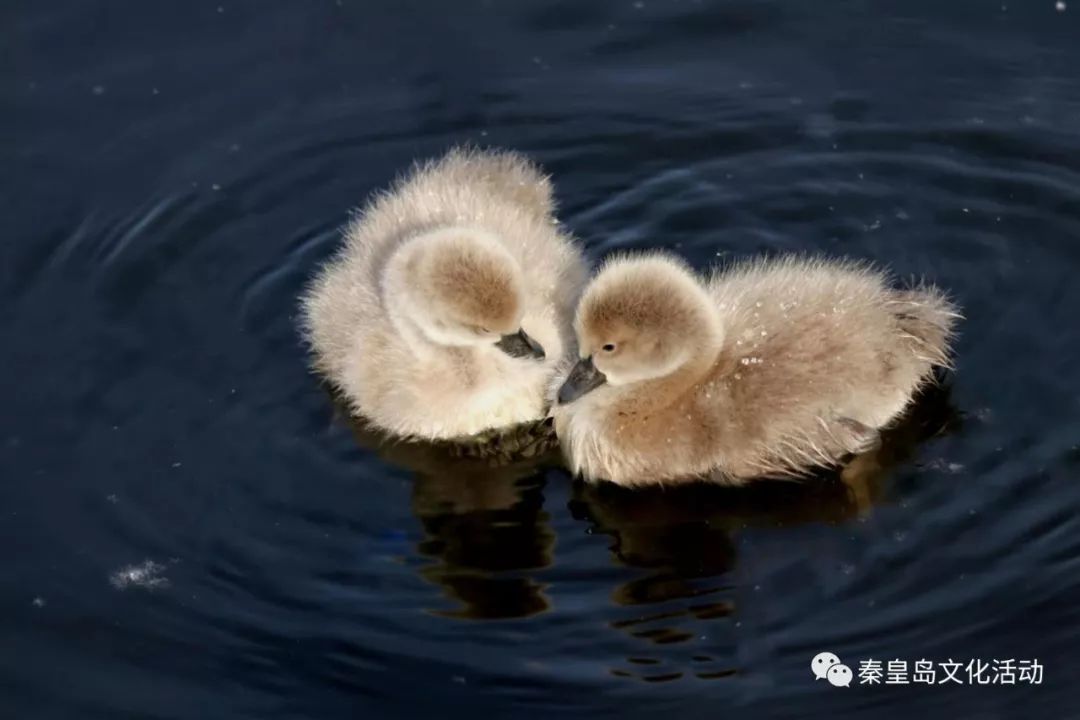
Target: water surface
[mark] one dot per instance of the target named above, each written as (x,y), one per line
(191,529)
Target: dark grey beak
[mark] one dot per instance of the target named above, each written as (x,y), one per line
(583,378)
(520,345)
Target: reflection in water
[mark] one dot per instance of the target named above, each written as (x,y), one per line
(684,537)
(481,508)
(486,532)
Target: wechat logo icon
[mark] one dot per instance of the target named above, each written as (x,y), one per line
(827,666)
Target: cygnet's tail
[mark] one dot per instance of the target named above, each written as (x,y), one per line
(927,319)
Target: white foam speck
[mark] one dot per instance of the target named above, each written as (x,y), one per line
(147,576)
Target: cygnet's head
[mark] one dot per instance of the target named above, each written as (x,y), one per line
(461,287)
(640,319)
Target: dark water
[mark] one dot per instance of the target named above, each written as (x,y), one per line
(172,172)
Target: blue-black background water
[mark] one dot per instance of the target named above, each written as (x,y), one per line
(189,528)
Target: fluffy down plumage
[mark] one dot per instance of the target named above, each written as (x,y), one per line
(765,368)
(404,321)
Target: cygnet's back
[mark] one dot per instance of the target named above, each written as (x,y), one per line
(826,344)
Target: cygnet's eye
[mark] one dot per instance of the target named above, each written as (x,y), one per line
(610,347)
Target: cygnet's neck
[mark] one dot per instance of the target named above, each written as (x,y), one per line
(396,293)
(705,350)
(703,354)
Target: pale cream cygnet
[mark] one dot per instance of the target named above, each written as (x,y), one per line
(449,305)
(766,368)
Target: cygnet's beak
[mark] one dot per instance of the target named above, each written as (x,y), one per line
(583,378)
(520,345)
